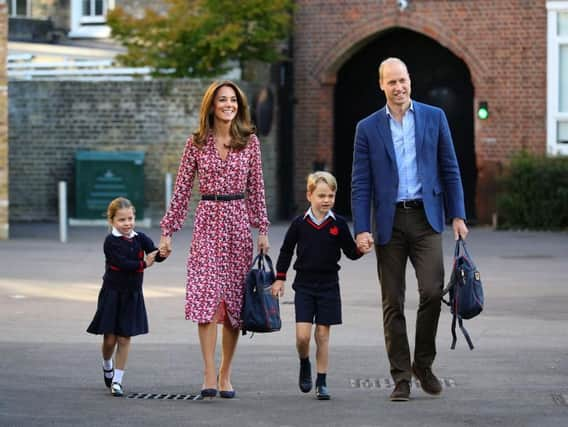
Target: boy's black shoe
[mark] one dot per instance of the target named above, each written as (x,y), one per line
(108,381)
(305,380)
(322,393)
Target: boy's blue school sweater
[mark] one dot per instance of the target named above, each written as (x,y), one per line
(318,249)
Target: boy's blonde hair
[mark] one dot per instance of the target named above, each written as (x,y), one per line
(116,204)
(321,176)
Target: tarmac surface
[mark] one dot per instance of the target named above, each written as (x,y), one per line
(50,368)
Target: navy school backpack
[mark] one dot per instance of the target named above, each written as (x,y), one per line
(465,291)
(261,310)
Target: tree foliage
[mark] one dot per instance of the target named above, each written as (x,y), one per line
(197,38)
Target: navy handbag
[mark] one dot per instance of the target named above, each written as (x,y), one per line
(465,291)
(261,310)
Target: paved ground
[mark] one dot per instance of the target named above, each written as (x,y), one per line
(50,373)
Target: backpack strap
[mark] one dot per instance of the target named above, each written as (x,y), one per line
(459,320)
(450,285)
(452,281)
(454,336)
(464,332)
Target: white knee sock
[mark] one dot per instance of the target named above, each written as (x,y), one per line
(118,373)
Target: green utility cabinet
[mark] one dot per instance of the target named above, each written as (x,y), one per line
(100,176)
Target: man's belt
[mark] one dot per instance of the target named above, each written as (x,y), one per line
(410,204)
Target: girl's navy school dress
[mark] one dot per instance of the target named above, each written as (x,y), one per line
(120,308)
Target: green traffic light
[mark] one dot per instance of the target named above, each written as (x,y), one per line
(483,111)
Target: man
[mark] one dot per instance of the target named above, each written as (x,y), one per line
(405,171)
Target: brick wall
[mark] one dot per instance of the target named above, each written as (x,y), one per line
(502,42)
(51,120)
(4,230)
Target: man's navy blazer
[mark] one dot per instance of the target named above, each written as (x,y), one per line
(374,185)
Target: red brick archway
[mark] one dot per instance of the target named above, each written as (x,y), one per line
(328,64)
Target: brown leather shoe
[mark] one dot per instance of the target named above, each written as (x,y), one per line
(428,381)
(401,392)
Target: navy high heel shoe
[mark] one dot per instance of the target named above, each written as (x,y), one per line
(227,394)
(208,392)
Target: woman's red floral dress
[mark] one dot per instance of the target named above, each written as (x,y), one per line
(221,249)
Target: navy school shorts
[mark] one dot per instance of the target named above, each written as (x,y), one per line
(317,303)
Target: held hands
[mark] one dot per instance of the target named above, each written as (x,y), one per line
(277,288)
(365,242)
(263,245)
(165,246)
(460,229)
(149,260)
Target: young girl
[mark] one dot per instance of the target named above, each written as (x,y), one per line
(121,312)
(319,236)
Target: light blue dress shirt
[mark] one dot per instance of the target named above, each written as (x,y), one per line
(403,138)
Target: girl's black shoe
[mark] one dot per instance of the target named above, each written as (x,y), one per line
(116,390)
(108,381)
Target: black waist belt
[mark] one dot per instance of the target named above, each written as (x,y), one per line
(410,204)
(222,197)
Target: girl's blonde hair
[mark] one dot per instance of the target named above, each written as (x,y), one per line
(321,176)
(241,126)
(116,204)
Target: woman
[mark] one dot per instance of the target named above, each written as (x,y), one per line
(225,153)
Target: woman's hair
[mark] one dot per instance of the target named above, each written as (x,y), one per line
(241,126)
(315,178)
(116,204)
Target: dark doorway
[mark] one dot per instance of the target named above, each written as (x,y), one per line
(438,77)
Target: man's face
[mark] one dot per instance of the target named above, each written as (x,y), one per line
(395,83)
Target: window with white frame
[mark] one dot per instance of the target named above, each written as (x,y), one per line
(88,18)
(557,77)
(18,7)
(93,11)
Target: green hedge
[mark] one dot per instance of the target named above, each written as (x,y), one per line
(534,193)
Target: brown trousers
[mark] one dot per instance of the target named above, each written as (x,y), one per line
(412,238)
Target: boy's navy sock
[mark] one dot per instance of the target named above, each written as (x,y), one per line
(305,378)
(320,380)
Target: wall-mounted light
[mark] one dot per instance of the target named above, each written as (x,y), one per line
(482,110)
(402,4)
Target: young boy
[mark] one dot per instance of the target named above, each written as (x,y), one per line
(319,236)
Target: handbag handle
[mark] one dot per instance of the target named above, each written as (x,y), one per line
(261,260)
(460,243)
